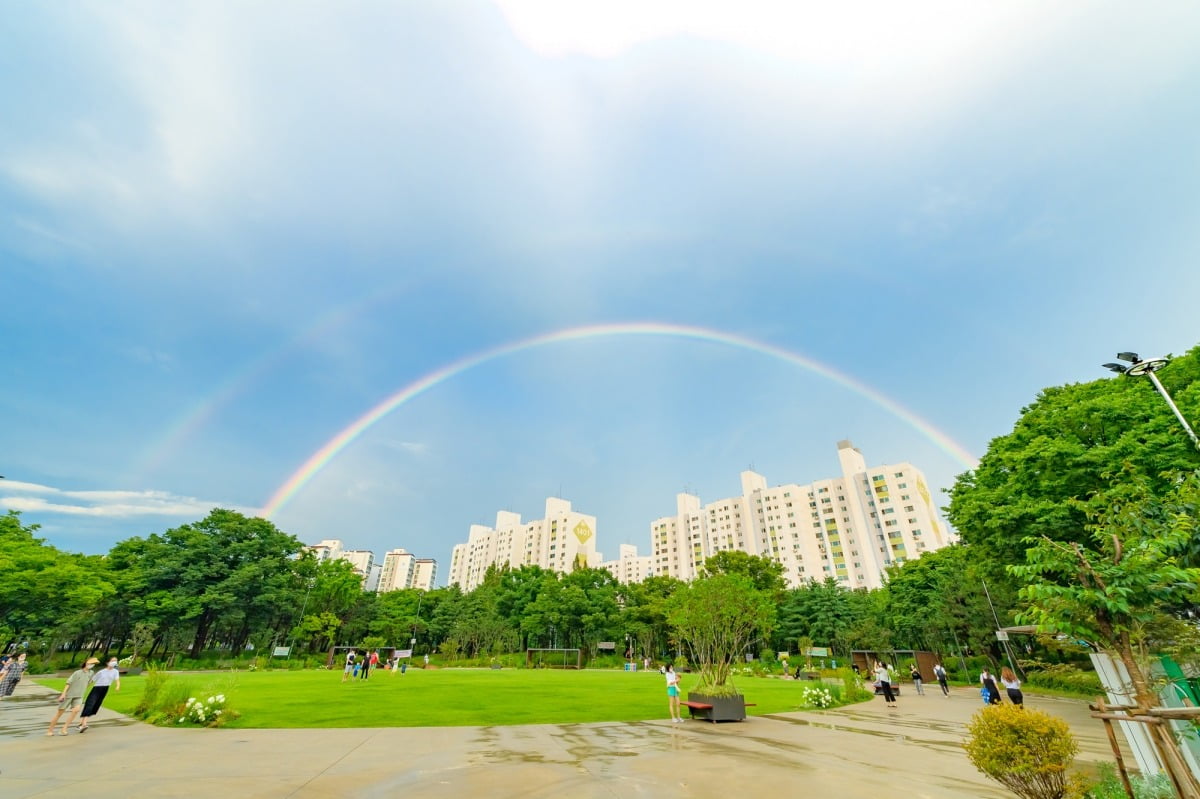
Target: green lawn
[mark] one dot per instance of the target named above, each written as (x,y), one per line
(445,697)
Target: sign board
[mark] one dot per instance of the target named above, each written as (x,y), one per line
(782,655)
(1001,635)
(609,645)
(282,651)
(403,653)
(818,651)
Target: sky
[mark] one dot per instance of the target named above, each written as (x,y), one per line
(382,269)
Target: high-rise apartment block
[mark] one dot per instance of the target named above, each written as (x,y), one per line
(849,528)
(402,569)
(629,567)
(557,542)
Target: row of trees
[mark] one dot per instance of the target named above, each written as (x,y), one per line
(1076,454)
(230,581)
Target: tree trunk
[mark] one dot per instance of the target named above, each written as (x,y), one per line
(202,626)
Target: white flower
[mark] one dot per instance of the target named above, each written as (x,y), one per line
(220,697)
(191,699)
(218,712)
(212,699)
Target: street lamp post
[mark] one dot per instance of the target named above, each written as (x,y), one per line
(1138,367)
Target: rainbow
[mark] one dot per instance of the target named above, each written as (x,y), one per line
(328,451)
(199,413)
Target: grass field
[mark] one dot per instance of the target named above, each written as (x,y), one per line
(445,697)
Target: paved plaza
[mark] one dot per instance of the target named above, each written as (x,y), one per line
(859,752)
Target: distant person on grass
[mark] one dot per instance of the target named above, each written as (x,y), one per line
(101,681)
(673,694)
(350,669)
(915,674)
(71,698)
(366,665)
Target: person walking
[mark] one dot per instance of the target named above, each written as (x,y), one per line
(915,674)
(673,694)
(101,681)
(989,686)
(12,675)
(1012,686)
(349,669)
(884,680)
(71,698)
(939,671)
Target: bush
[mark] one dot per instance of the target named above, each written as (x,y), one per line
(1064,677)
(155,679)
(1027,751)
(1144,787)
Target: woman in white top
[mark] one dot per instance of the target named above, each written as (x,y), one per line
(673,694)
(101,680)
(1012,686)
(884,679)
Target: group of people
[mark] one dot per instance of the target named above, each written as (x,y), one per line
(1012,686)
(360,665)
(883,678)
(72,699)
(989,690)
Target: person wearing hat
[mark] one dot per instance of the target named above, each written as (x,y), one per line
(71,697)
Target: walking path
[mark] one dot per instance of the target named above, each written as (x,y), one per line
(859,752)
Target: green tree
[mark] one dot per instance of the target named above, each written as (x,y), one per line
(1127,574)
(225,567)
(765,574)
(717,617)
(1054,469)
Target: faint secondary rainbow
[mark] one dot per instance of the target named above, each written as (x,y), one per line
(330,450)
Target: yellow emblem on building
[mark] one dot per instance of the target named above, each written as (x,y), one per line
(582,532)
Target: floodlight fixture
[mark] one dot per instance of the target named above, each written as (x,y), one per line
(1147,368)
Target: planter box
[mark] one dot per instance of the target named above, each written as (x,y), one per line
(724,708)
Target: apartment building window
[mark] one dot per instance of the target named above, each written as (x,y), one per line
(888,510)
(898,474)
(909,509)
(902,485)
(890,523)
(905,497)
(913,520)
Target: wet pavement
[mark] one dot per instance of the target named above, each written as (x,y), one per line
(859,752)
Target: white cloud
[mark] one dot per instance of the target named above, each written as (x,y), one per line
(110,503)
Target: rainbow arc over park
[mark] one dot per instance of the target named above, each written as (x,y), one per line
(347,435)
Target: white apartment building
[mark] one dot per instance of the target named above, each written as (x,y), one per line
(629,567)
(424,574)
(361,559)
(397,574)
(557,542)
(849,527)
(329,549)
(402,569)
(399,569)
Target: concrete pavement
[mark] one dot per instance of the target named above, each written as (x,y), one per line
(859,752)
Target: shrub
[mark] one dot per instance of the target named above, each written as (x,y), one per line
(1065,677)
(852,686)
(816,695)
(1109,785)
(208,712)
(155,679)
(1026,751)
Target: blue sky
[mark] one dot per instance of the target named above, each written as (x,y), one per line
(227,231)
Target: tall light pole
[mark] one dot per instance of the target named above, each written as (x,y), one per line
(1138,367)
